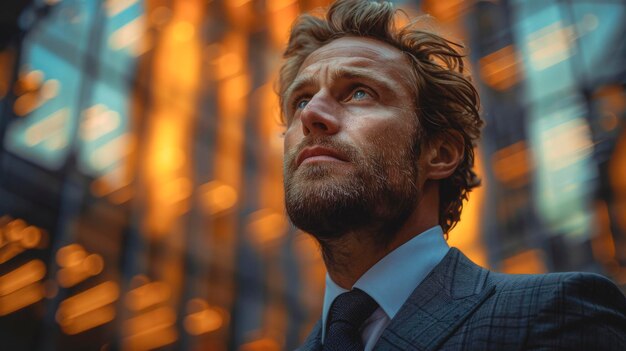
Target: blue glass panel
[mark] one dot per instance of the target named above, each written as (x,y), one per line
(44,135)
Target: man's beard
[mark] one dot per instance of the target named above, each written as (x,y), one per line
(374,193)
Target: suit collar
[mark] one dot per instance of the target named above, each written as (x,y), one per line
(438,306)
(404,268)
(435,309)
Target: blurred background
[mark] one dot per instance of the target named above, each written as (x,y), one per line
(141,201)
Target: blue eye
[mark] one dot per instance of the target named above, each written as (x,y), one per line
(301,104)
(360,94)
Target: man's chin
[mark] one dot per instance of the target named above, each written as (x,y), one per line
(321,170)
(324,189)
(322,224)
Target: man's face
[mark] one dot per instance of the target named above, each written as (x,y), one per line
(350,158)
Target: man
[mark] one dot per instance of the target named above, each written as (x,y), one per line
(381,124)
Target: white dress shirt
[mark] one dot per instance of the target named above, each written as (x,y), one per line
(391,281)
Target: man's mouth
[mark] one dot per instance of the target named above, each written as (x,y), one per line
(319,153)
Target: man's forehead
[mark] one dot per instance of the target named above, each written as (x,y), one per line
(357,49)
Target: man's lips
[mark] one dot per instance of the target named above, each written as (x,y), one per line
(319,153)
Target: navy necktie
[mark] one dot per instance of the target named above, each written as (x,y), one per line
(345,318)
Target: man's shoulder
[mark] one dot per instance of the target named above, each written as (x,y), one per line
(554,285)
(546,311)
(553,292)
(456,263)
(574,310)
(546,280)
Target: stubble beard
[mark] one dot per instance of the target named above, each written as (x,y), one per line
(374,194)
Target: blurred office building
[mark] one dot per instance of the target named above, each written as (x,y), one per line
(141,201)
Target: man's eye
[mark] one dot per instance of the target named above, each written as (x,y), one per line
(300,104)
(360,94)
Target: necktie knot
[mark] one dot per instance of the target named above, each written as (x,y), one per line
(345,318)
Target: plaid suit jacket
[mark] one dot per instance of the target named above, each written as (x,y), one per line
(461,306)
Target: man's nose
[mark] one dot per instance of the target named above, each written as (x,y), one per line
(319,116)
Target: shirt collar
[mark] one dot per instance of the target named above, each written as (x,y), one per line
(391,280)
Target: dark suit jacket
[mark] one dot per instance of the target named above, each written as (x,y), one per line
(461,306)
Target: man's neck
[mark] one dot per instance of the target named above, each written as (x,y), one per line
(347,258)
(350,256)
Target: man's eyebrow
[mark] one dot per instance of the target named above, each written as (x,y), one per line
(300,83)
(352,73)
(363,74)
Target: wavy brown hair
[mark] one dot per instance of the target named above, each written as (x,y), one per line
(446,103)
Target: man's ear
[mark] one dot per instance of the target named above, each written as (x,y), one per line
(443,155)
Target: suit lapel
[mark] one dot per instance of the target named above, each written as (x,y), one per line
(438,306)
(314,341)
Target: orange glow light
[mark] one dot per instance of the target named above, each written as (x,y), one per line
(150,340)
(602,244)
(13,230)
(160,15)
(70,255)
(466,234)
(86,301)
(159,318)
(122,195)
(266,225)
(88,320)
(93,264)
(227,65)
(525,262)
(147,295)
(176,190)
(512,164)
(80,270)
(202,318)
(218,197)
(264,344)
(9,251)
(151,329)
(179,46)
(281,14)
(20,298)
(446,10)
(26,104)
(15,236)
(69,277)
(29,81)
(501,69)
(31,236)
(22,276)
(183,31)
